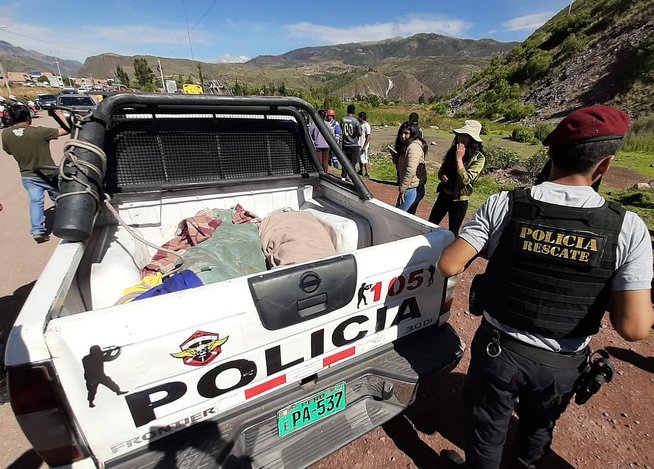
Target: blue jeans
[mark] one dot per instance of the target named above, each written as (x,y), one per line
(412,198)
(36,189)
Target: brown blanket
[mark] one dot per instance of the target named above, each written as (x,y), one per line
(294,237)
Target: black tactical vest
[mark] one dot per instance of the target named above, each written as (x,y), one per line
(551,271)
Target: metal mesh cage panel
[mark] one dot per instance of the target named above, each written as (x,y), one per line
(178,150)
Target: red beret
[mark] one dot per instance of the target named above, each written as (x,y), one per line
(589,124)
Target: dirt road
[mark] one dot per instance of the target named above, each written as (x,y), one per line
(614,430)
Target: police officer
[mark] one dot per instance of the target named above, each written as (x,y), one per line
(559,257)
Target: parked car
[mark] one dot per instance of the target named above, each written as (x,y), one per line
(46,100)
(76,102)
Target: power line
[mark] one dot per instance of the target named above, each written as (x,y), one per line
(49,42)
(188,31)
(197,23)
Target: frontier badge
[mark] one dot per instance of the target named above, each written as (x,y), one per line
(200,349)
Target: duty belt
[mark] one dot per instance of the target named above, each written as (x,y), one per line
(501,340)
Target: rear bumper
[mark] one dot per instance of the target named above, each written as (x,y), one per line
(380,385)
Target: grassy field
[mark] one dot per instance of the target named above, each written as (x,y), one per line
(639,161)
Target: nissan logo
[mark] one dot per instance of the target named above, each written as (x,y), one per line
(309,282)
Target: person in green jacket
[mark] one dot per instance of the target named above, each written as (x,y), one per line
(461,166)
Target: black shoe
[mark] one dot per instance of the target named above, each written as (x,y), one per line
(42,238)
(452,459)
(91,404)
(120,393)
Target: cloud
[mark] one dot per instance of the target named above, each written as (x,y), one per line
(143,34)
(378,31)
(528,22)
(131,39)
(229,58)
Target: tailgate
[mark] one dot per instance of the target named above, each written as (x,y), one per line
(160,365)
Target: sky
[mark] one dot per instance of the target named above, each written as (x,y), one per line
(236,31)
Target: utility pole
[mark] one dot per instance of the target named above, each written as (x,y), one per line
(61,84)
(2,70)
(163,83)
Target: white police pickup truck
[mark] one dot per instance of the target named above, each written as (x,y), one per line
(274,368)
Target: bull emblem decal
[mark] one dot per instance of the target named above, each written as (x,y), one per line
(200,349)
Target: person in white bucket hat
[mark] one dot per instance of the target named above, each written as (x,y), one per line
(461,166)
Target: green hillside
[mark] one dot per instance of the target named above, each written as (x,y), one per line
(599,51)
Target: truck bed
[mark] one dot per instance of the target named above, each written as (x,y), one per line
(113,259)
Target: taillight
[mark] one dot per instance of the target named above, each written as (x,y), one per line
(41,415)
(31,391)
(448,295)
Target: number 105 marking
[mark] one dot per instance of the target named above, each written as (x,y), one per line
(398,284)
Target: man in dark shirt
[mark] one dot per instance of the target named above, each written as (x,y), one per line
(30,147)
(351,129)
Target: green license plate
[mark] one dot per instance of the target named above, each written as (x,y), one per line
(312,409)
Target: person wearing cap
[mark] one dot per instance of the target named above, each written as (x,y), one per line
(322,147)
(30,147)
(559,256)
(461,166)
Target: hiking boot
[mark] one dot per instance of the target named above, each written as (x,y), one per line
(41,238)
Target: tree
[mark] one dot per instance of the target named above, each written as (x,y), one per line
(282,89)
(42,79)
(122,76)
(143,73)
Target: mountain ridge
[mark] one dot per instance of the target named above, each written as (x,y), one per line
(430,65)
(15,58)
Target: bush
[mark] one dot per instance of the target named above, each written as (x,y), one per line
(521,134)
(573,44)
(641,135)
(536,66)
(535,163)
(542,130)
(440,108)
(499,158)
(514,110)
